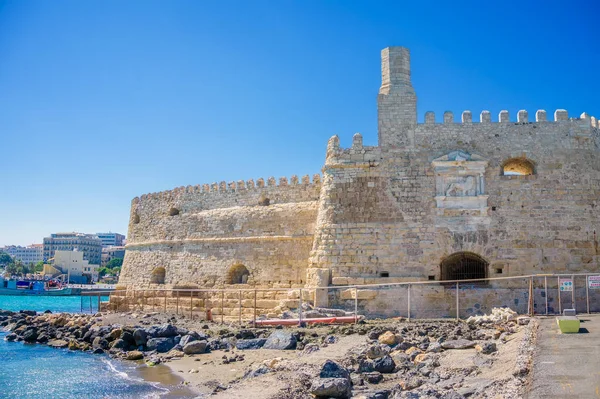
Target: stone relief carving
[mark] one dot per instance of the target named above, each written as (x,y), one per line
(460,181)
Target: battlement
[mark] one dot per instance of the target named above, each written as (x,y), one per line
(560,115)
(356,155)
(235,186)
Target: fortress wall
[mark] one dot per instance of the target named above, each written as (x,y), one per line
(267,228)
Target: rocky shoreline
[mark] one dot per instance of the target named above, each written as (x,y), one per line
(380,359)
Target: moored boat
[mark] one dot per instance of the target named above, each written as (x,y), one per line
(35,287)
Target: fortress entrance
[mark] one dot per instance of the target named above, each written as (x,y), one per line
(237,274)
(464,266)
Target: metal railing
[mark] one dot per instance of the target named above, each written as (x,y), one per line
(530,294)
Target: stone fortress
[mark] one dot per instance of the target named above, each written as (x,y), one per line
(438,200)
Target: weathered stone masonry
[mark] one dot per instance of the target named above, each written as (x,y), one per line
(404,210)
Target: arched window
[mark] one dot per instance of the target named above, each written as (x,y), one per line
(237,274)
(464,266)
(518,167)
(158,276)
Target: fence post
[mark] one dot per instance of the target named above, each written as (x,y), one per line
(222,295)
(165,291)
(559,301)
(153,299)
(191,305)
(546,292)
(177,304)
(409,302)
(531,300)
(254,317)
(587,293)
(300,309)
(240,307)
(573,298)
(457,304)
(355,305)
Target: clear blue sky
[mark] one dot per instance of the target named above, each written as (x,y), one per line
(102,101)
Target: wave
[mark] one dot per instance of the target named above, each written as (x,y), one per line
(126,376)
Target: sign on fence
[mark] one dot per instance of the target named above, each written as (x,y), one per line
(566,284)
(594,282)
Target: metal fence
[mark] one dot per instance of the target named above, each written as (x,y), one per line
(544,294)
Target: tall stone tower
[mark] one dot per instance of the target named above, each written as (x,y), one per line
(397,101)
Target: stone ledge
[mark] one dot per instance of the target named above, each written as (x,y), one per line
(217,240)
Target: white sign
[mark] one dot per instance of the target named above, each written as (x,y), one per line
(594,282)
(566,285)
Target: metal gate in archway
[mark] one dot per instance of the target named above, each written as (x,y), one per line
(464,266)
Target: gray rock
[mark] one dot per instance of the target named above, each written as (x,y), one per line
(128,337)
(331,388)
(486,348)
(434,347)
(58,343)
(166,331)
(374,377)
(119,344)
(255,343)
(140,337)
(280,340)
(30,335)
(186,339)
(384,365)
(332,369)
(195,347)
(452,395)
(458,344)
(376,350)
(98,342)
(42,338)
(11,337)
(161,345)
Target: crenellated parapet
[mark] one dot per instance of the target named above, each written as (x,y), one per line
(560,115)
(356,156)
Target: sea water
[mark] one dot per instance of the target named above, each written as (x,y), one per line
(31,371)
(56,304)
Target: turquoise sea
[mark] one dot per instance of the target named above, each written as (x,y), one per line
(37,371)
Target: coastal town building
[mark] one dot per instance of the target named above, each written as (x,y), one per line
(111,239)
(110,253)
(72,266)
(88,244)
(442,199)
(33,253)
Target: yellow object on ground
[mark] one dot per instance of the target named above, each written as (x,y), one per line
(568,324)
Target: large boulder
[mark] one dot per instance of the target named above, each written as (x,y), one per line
(255,343)
(134,355)
(332,369)
(375,351)
(384,365)
(98,342)
(281,340)
(195,347)
(127,336)
(186,339)
(331,388)
(140,337)
(163,331)
(458,344)
(30,335)
(161,345)
(389,338)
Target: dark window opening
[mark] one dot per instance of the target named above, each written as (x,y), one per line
(384,274)
(464,266)
(158,275)
(238,274)
(173,212)
(499,271)
(431,278)
(493,208)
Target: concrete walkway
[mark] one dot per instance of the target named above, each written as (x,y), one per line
(567,365)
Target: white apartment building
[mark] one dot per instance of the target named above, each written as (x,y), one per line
(31,254)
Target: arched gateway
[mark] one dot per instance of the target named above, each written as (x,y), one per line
(464,266)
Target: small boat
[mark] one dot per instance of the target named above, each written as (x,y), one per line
(35,287)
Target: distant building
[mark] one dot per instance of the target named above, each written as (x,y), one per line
(31,254)
(88,244)
(111,239)
(72,264)
(110,253)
